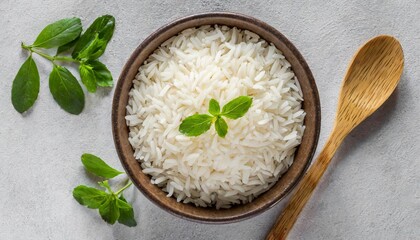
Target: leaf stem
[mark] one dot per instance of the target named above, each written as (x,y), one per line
(106,185)
(123,188)
(49,57)
(65,59)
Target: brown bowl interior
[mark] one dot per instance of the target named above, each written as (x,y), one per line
(304,152)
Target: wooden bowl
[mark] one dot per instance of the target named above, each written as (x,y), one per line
(303,154)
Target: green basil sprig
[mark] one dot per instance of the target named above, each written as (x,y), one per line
(112,206)
(198,124)
(64,35)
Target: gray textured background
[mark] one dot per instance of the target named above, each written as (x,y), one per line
(372,188)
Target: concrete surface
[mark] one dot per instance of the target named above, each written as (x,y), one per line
(372,188)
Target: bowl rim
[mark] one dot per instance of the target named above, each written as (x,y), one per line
(118,92)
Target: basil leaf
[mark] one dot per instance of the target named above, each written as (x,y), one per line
(102,74)
(126,213)
(221,127)
(214,107)
(94,40)
(123,204)
(67,46)
(109,210)
(89,197)
(237,107)
(196,124)
(66,90)
(94,50)
(25,86)
(97,166)
(95,73)
(88,77)
(59,33)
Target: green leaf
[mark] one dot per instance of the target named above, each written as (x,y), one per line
(66,91)
(126,213)
(221,127)
(94,40)
(89,197)
(25,86)
(102,74)
(93,51)
(237,107)
(98,167)
(94,73)
(88,77)
(196,124)
(214,107)
(59,33)
(68,46)
(109,210)
(123,204)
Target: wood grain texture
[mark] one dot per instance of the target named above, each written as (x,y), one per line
(371,77)
(304,152)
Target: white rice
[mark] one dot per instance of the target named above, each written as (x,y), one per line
(179,79)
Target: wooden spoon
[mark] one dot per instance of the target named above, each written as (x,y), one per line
(371,77)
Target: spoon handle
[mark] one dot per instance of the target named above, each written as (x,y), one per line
(305,188)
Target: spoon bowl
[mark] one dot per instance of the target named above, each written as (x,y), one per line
(371,77)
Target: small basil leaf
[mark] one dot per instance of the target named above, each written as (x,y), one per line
(98,167)
(95,73)
(196,124)
(126,214)
(25,86)
(88,77)
(89,197)
(67,46)
(221,127)
(93,51)
(123,204)
(237,107)
(102,30)
(214,107)
(109,210)
(102,74)
(105,184)
(59,33)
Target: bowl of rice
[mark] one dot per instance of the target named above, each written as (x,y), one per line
(173,74)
